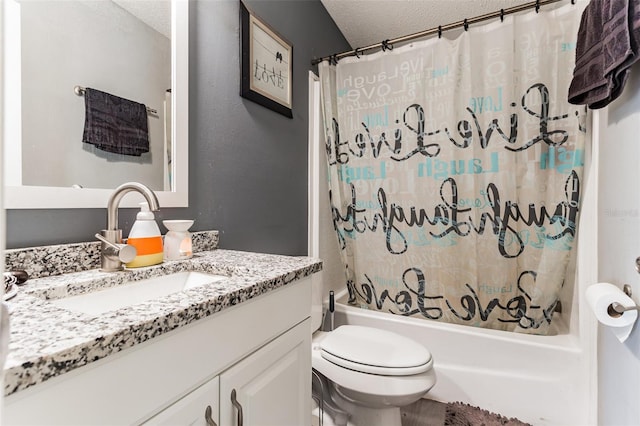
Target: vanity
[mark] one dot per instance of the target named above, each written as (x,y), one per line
(233,349)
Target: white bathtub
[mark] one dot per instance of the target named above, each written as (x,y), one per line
(534,378)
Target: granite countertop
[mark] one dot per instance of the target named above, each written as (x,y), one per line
(47,340)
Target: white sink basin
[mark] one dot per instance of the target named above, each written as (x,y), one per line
(124,295)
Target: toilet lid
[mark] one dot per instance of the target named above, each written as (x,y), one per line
(374,351)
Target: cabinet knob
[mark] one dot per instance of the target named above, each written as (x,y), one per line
(208,418)
(236,404)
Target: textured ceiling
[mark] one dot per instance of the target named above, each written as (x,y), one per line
(155,13)
(366,22)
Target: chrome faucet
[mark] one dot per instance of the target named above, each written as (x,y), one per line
(113,252)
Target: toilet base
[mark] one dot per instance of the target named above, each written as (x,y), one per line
(360,415)
(376,416)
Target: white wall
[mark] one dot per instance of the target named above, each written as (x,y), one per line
(618,247)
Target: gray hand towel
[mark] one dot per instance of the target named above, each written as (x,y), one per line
(115,124)
(607,45)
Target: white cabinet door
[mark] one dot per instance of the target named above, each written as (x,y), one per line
(272,386)
(198,408)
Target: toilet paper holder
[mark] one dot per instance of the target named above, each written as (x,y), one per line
(617,309)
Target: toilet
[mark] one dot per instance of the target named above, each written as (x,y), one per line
(366,374)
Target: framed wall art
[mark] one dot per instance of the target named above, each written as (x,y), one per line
(266,68)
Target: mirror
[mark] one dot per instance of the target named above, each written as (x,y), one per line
(46,163)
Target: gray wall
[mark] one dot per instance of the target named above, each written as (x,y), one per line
(248,164)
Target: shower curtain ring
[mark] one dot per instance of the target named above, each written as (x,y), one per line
(501,15)
(537,6)
(333,59)
(439,31)
(386,45)
(357,52)
(466,24)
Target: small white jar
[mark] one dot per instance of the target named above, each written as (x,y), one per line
(177,242)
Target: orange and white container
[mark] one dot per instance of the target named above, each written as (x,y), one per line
(145,237)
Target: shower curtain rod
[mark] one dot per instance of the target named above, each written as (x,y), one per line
(388,44)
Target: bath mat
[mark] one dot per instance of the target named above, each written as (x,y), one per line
(459,414)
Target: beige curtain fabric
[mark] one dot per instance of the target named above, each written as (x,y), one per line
(455,172)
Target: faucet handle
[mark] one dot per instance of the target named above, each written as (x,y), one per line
(124,252)
(127,253)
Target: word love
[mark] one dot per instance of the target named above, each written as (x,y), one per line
(412,138)
(269,76)
(417,298)
(452,216)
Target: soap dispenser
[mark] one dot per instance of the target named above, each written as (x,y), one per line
(146,238)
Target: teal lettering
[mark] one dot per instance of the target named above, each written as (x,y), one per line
(440,169)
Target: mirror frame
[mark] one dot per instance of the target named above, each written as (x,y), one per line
(43,197)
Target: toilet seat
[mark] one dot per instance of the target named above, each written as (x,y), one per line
(375,351)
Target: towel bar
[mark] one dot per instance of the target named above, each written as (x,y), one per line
(79,90)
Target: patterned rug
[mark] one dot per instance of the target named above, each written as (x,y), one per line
(459,414)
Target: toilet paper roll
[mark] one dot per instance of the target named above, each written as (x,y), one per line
(600,297)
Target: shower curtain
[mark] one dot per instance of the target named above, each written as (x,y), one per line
(455,172)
